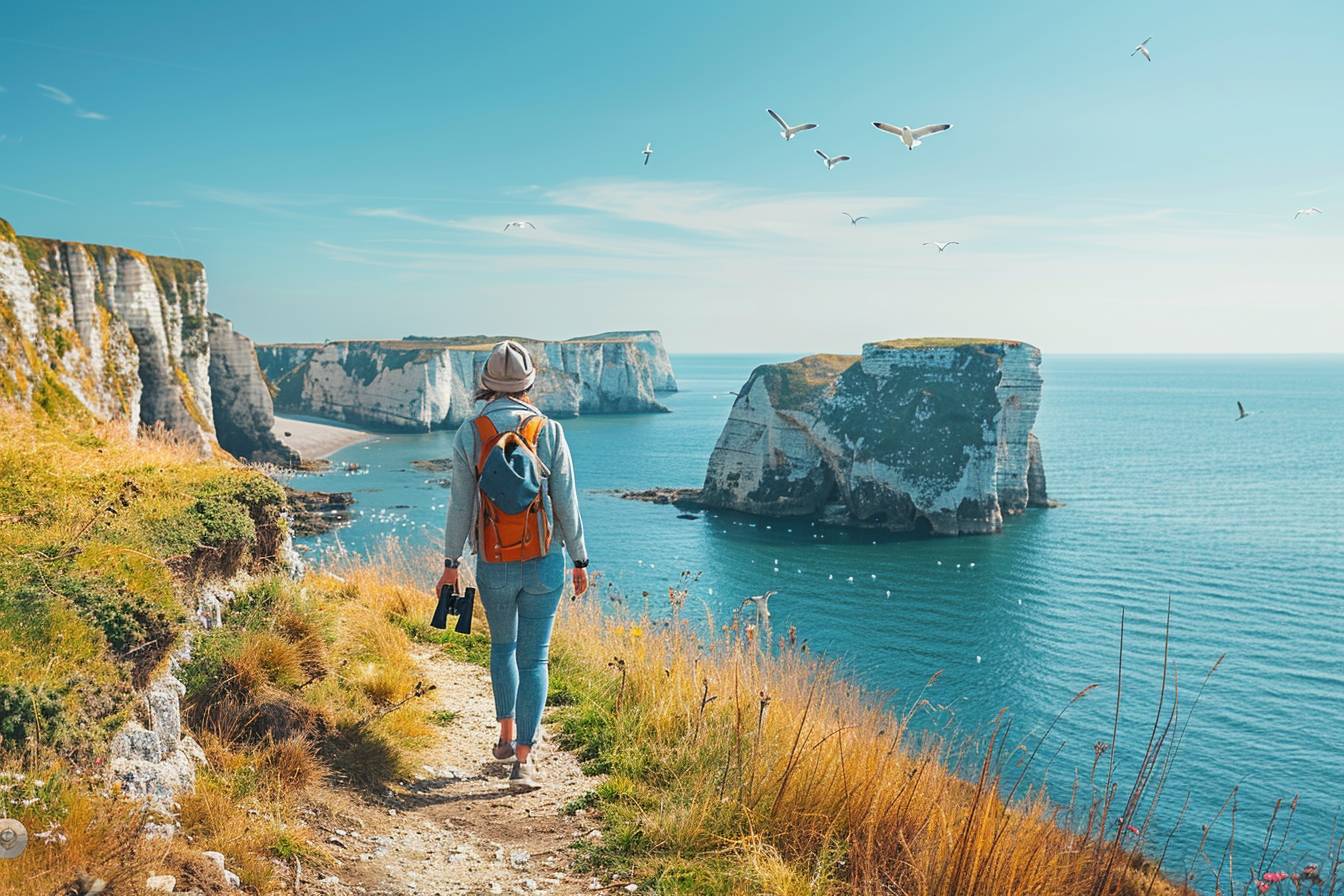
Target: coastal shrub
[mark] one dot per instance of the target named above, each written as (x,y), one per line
(223,513)
(136,629)
(27,712)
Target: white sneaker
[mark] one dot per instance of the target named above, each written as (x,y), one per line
(523,777)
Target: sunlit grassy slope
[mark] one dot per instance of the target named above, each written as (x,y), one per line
(104,544)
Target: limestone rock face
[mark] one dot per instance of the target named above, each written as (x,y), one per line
(60,338)
(128,337)
(650,344)
(421,383)
(913,435)
(121,333)
(243,412)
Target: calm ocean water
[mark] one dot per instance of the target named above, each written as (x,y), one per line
(1240,524)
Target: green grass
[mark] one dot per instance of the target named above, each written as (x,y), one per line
(941,342)
(798,384)
(473,648)
(101,541)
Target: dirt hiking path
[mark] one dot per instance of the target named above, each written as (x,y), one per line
(455,827)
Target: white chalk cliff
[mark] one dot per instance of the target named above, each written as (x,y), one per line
(930,435)
(243,412)
(420,383)
(126,336)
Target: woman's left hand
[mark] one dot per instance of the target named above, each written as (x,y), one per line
(580,581)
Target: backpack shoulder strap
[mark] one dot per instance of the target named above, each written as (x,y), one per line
(486,436)
(530,430)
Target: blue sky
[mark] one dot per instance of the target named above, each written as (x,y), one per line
(346,171)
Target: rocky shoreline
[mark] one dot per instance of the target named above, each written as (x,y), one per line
(317,513)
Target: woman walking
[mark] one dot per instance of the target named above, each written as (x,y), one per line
(513,496)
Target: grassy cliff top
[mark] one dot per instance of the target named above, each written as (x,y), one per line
(941,342)
(461,343)
(795,384)
(184,268)
(100,537)
(104,542)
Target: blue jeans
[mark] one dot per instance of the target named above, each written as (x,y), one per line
(520,600)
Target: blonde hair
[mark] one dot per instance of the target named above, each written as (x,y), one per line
(484,394)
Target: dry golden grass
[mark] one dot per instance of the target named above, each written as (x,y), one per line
(252,829)
(737,769)
(89,836)
(306,682)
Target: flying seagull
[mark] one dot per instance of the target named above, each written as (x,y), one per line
(648,151)
(1241,412)
(910,136)
(762,604)
(832,161)
(1143,48)
(789,132)
(853,220)
(1307,211)
(519,225)
(942,246)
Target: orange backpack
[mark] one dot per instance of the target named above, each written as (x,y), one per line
(503,537)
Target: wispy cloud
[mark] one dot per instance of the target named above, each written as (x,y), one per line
(36,194)
(58,95)
(663,220)
(713,209)
(159,203)
(280,204)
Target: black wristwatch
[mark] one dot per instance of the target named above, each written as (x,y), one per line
(451,564)
(580,564)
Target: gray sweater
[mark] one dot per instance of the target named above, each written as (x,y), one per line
(561,498)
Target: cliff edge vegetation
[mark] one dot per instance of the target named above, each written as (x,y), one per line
(111,551)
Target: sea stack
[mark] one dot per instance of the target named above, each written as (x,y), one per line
(913,435)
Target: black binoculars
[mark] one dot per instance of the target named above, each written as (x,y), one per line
(453,604)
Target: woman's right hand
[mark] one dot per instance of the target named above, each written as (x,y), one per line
(449,577)
(580,580)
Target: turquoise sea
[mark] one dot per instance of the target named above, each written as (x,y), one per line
(1167,496)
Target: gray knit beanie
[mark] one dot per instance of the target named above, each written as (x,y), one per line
(508,369)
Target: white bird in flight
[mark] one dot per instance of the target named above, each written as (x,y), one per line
(762,604)
(910,136)
(648,151)
(942,246)
(854,220)
(788,133)
(1307,211)
(832,161)
(519,225)
(1143,48)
